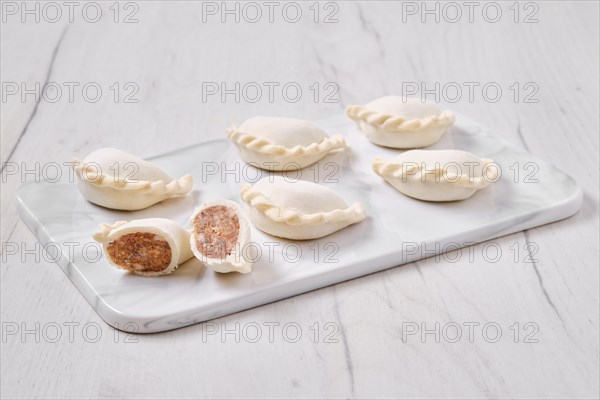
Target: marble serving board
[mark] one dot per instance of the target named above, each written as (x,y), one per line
(398,229)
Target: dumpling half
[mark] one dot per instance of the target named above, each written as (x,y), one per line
(115,179)
(437,175)
(393,121)
(282,144)
(297,210)
(147,247)
(219,235)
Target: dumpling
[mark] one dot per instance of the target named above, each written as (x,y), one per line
(147,247)
(392,121)
(114,179)
(297,210)
(219,235)
(437,175)
(282,144)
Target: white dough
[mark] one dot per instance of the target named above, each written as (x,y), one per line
(176,236)
(237,260)
(297,210)
(115,179)
(392,121)
(282,144)
(437,175)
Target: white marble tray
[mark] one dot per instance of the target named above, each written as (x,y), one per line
(399,229)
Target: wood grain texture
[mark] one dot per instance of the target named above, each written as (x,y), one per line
(169,53)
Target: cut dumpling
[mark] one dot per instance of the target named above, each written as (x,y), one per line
(282,144)
(219,235)
(297,210)
(393,121)
(147,247)
(437,175)
(115,179)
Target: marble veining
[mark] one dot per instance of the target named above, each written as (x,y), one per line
(398,230)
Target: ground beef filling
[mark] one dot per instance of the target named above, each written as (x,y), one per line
(216,231)
(140,252)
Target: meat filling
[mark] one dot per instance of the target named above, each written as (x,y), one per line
(216,231)
(140,252)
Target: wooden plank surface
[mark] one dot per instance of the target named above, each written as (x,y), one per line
(363,348)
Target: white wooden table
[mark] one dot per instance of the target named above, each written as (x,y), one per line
(372,339)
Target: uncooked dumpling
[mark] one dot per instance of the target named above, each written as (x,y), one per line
(437,175)
(297,210)
(115,179)
(282,144)
(147,247)
(393,121)
(220,233)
